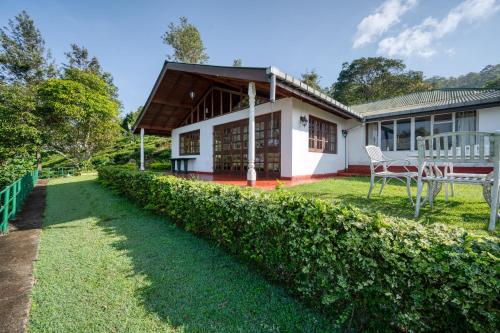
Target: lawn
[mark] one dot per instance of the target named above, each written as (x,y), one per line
(107,266)
(466,209)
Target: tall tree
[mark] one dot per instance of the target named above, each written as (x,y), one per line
(186,41)
(130,118)
(23,57)
(369,79)
(79,58)
(493,84)
(311,78)
(80,117)
(19,126)
(237,62)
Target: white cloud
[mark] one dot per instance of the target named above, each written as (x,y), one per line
(420,39)
(384,17)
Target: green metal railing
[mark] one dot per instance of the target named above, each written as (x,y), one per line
(13,196)
(48,173)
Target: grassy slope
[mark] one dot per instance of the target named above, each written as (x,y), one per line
(107,266)
(466,209)
(156,149)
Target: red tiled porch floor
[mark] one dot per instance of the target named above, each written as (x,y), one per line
(241,181)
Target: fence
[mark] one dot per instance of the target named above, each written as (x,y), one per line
(13,196)
(48,173)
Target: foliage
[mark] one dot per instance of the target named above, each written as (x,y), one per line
(78,58)
(14,168)
(469,80)
(23,58)
(369,79)
(237,62)
(104,265)
(19,125)
(186,41)
(124,150)
(493,84)
(372,273)
(130,118)
(79,114)
(311,78)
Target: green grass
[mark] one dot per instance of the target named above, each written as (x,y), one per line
(466,209)
(107,266)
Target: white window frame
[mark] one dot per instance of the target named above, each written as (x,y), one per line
(412,127)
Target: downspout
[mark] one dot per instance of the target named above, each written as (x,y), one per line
(272,88)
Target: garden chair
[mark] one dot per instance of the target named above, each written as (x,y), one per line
(379,167)
(450,148)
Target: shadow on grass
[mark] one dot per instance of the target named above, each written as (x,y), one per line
(190,283)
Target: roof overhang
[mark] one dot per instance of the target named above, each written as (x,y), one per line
(169,102)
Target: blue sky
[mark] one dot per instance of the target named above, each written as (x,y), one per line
(437,37)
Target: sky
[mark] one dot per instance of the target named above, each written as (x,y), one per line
(445,37)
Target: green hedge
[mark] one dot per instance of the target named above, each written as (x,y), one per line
(372,273)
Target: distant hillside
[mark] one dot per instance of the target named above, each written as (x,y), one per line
(484,78)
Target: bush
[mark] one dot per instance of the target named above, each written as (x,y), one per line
(14,168)
(372,273)
(160,165)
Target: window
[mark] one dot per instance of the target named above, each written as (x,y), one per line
(372,134)
(466,122)
(422,128)
(403,127)
(443,123)
(387,135)
(322,136)
(190,143)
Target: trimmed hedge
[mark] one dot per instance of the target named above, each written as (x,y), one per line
(372,273)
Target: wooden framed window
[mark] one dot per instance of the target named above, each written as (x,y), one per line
(322,136)
(190,143)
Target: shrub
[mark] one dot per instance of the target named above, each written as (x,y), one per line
(160,165)
(372,273)
(14,168)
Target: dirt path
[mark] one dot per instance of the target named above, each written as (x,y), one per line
(18,250)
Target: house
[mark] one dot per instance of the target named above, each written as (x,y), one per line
(394,124)
(262,123)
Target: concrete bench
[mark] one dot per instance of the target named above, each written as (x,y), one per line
(177,164)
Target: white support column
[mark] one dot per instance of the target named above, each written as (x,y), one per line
(251,174)
(142,149)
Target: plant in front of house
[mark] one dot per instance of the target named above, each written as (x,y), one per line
(372,273)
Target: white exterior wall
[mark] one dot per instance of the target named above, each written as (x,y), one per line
(488,120)
(296,160)
(304,162)
(204,161)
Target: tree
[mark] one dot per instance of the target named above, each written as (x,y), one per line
(186,41)
(78,58)
(311,78)
(237,62)
(19,126)
(493,84)
(130,118)
(79,115)
(23,58)
(369,79)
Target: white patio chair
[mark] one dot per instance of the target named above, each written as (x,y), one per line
(379,167)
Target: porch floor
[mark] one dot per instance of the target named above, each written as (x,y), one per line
(268,183)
